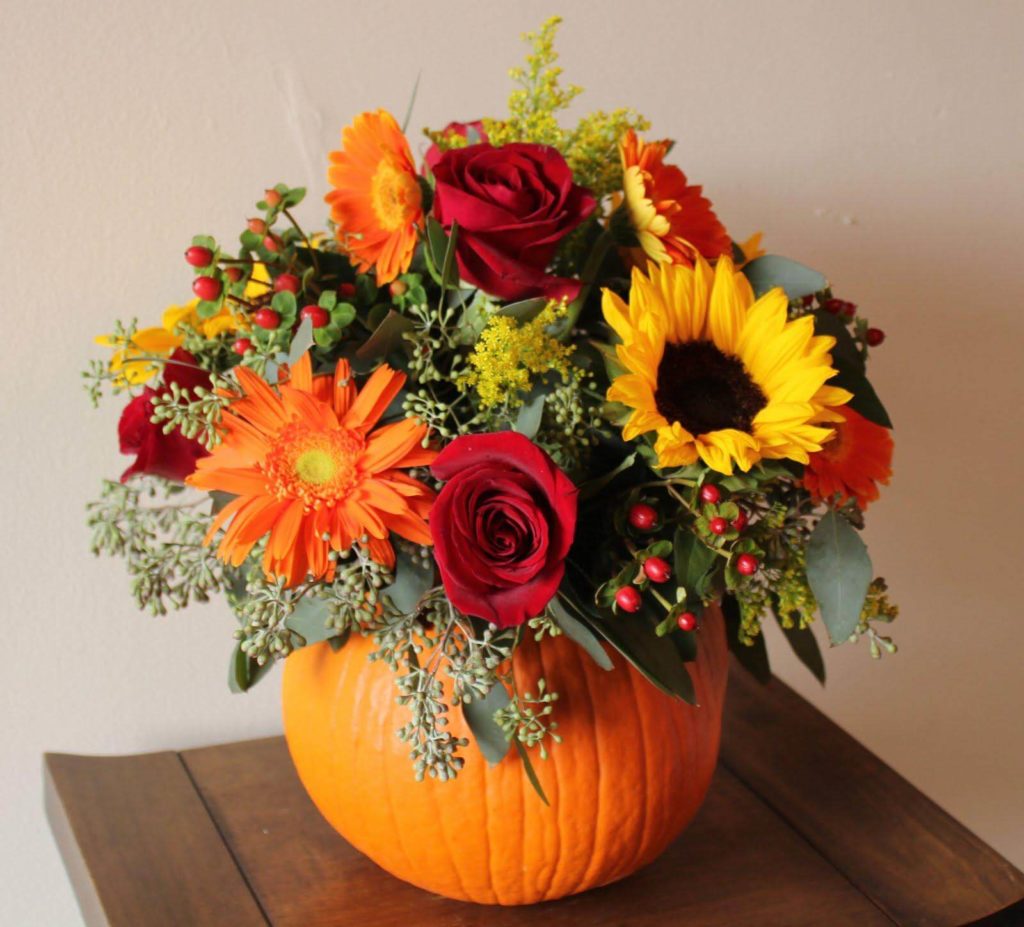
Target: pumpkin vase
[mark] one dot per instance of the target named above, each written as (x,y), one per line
(631,771)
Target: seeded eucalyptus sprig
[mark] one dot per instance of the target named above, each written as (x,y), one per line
(196,413)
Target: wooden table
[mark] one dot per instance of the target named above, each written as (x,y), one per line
(802,826)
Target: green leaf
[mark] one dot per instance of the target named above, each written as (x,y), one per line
(530,413)
(694,560)
(294,196)
(771,270)
(244,673)
(531,773)
(343,315)
(635,638)
(412,102)
(845,353)
(449,268)
(285,303)
(579,633)
(301,343)
(865,399)
(805,646)
(593,487)
(328,300)
(479,714)
(386,338)
(839,573)
(206,309)
(411,581)
(525,310)
(437,241)
(612,365)
(752,657)
(309,620)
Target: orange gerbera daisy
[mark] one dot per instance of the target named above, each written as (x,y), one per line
(672,220)
(853,463)
(376,200)
(308,469)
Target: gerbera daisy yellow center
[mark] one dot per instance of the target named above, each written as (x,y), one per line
(316,466)
(395,195)
(706,390)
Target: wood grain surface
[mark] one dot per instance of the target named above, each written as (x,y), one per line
(802,826)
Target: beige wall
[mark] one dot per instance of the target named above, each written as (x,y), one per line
(878,141)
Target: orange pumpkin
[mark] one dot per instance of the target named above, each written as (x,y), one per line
(630,773)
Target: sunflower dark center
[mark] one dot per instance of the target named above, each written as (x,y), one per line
(705,390)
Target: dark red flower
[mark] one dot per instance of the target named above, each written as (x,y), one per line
(502,526)
(513,205)
(172,456)
(461,129)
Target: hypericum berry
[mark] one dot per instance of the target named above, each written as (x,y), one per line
(287,282)
(740,521)
(241,346)
(272,243)
(272,198)
(849,309)
(266,318)
(628,599)
(687,621)
(643,517)
(207,288)
(234,274)
(874,337)
(257,225)
(718,525)
(198,256)
(346,290)
(657,570)
(746,564)
(398,288)
(316,314)
(710,493)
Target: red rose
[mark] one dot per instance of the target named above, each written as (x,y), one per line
(502,526)
(172,456)
(514,205)
(461,129)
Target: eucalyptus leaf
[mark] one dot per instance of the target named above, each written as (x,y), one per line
(531,773)
(244,673)
(592,487)
(753,657)
(846,356)
(411,582)
(479,714)
(694,560)
(386,338)
(635,638)
(839,573)
(530,414)
(772,270)
(865,399)
(301,343)
(309,620)
(579,633)
(525,310)
(449,269)
(805,646)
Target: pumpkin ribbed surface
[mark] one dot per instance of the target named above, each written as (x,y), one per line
(631,772)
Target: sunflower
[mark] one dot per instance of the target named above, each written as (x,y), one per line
(376,200)
(853,463)
(672,220)
(308,469)
(719,376)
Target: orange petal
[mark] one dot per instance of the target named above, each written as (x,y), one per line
(374,398)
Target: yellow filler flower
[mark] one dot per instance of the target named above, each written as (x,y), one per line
(719,376)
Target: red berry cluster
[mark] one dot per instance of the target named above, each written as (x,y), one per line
(840,307)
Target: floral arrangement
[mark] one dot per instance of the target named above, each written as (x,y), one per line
(528,386)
